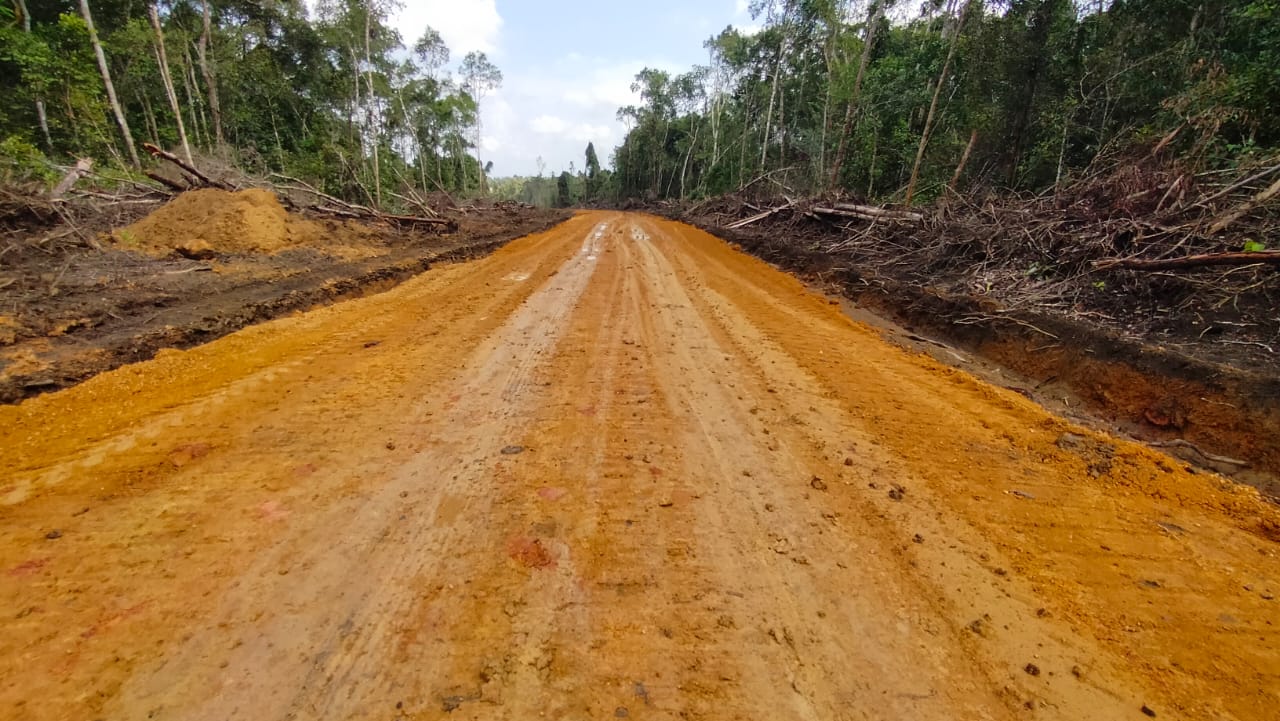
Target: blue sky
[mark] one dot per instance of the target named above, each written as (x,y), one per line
(567,65)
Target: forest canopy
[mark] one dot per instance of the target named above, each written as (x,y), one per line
(334,95)
(893,101)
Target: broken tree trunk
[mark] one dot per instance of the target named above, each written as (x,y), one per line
(82,166)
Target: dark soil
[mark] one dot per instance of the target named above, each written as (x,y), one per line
(73,303)
(1165,380)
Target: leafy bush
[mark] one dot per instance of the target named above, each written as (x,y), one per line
(22,162)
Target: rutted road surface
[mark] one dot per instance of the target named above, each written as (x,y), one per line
(614,470)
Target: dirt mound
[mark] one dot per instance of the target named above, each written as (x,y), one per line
(202,223)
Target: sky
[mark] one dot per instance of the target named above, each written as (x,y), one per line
(567,65)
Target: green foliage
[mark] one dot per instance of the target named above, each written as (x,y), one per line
(334,98)
(1050,87)
(20,161)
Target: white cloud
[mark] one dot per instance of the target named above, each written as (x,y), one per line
(554,110)
(548,124)
(465,25)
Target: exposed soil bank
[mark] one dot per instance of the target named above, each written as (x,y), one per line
(1153,393)
(68,315)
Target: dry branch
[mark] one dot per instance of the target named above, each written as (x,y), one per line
(355,211)
(1269,257)
(759,216)
(204,180)
(1244,208)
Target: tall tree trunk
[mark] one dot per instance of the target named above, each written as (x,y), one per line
(106,81)
(851,111)
(41,115)
(162,58)
(933,104)
(193,100)
(773,96)
(209,72)
(1033,67)
(370,115)
(149,118)
(964,160)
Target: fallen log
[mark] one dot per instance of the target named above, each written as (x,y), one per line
(191,170)
(862,212)
(1269,257)
(880,212)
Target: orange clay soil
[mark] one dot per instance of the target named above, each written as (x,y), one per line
(613,470)
(210,220)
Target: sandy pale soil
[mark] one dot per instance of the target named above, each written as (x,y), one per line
(613,470)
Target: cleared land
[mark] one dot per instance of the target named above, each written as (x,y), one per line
(616,469)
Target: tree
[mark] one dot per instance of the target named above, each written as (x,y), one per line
(162,61)
(593,171)
(106,81)
(479,77)
(208,70)
(937,92)
(564,199)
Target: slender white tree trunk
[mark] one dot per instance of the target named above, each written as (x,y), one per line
(106,81)
(370,115)
(162,59)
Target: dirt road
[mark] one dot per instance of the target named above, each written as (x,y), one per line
(614,470)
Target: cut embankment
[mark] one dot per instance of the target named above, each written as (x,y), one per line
(206,264)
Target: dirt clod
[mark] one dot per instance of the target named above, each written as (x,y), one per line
(1032,669)
(897,492)
(512,450)
(818,484)
(530,553)
(1147,710)
(53,535)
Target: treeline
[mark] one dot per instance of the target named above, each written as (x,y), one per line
(1023,95)
(589,186)
(335,97)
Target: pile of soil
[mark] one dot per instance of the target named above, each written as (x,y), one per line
(203,223)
